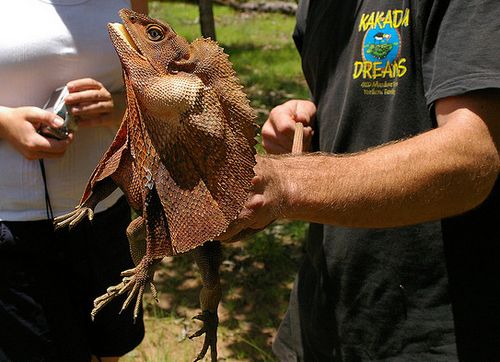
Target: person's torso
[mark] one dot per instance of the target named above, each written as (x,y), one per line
(361,60)
(44,45)
(383,292)
(375,69)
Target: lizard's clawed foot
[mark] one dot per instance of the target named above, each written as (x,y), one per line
(210,324)
(133,283)
(74,217)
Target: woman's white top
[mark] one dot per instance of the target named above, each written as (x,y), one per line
(43,45)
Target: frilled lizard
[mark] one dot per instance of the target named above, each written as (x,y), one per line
(183,156)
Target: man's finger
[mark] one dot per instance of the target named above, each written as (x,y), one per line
(232,230)
(242,222)
(277,140)
(275,149)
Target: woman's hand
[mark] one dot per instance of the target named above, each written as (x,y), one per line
(20,126)
(93,104)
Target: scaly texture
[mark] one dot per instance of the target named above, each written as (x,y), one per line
(183,156)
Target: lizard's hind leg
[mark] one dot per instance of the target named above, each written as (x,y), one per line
(208,257)
(157,245)
(136,234)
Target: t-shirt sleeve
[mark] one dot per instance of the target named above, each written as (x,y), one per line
(461,47)
(300,24)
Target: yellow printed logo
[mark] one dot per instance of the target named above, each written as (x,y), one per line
(381,64)
(382,19)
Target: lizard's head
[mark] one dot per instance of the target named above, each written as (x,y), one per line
(147,41)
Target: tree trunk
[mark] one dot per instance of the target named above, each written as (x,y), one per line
(207,23)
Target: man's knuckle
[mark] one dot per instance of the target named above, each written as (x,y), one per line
(266,131)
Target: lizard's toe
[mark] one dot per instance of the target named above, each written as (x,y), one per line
(209,328)
(133,285)
(74,217)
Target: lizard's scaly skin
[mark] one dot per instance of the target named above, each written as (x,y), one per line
(183,156)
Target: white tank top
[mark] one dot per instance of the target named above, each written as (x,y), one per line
(43,45)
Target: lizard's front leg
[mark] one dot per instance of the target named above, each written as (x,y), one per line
(208,257)
(86,208)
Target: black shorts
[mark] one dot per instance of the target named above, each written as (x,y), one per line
(48,281)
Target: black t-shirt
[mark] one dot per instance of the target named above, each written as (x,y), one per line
(374,69)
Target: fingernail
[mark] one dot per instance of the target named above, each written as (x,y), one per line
(58,121)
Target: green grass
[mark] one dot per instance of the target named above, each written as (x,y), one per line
(256,275)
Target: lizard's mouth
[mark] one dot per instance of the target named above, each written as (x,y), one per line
(121,31)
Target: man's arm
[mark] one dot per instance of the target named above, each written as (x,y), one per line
(440,173)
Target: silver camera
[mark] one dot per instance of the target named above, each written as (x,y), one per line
(56,104)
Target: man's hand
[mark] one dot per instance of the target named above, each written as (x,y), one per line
(279,129)
(19,127)
(268,198)
(436,174)
(266,203)
(93,104)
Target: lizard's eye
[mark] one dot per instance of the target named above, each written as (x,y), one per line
(155,33)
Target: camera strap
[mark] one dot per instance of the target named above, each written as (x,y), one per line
(48,206)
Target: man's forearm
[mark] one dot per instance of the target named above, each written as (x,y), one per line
(440,173)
